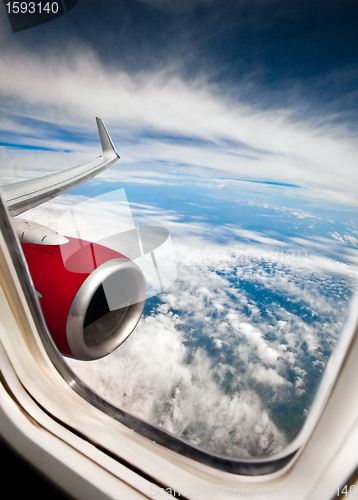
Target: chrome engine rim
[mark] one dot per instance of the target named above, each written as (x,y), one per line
(79,307)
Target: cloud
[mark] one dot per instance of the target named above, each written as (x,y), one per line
(239,332)
(345,239)
(255,236)
(238,139)
(151,377)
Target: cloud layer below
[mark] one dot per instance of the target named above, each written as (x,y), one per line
(227,355)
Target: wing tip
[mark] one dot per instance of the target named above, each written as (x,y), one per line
(107,145)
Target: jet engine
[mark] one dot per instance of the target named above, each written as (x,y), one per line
(91,296)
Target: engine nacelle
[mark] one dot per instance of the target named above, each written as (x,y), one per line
(91,297)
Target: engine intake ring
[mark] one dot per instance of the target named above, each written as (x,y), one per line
(106,309)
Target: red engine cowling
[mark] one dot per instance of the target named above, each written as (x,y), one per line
(91,297)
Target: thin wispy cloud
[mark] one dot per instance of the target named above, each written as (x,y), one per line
(285,150)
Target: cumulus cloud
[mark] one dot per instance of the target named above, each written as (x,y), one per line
(347,238)
(239,332)
(152,378)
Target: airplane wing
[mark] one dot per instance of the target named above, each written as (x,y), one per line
(22,196)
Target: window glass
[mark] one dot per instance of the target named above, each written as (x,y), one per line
(233,343)
(237,201)
(229,356)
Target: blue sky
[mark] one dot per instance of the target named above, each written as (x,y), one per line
(260,90)
(236,122)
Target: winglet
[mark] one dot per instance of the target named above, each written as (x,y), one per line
(107,145)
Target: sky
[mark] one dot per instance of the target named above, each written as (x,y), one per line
(236,122)
(260,90)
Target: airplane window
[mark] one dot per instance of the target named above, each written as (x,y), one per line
(210,305)
(181,177)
